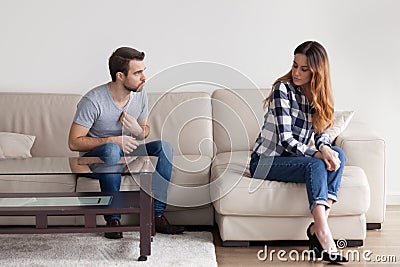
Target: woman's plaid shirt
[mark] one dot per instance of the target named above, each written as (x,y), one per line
(288,124)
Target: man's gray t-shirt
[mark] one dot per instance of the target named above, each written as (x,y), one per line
(98,111)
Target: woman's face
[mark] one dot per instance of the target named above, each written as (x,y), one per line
(301,73)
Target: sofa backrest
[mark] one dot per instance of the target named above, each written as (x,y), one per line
(237,118)
(184,120)
(195,123)
(46,116)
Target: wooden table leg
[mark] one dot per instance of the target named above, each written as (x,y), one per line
(41,221)
(90,220)
(145,216)
(153,223)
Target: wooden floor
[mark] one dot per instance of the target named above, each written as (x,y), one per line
(379,246)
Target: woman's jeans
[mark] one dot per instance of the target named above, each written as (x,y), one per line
(321,184)
(111,153)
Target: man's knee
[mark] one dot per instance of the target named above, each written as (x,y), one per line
(166,147)
(111,153)
(163,147)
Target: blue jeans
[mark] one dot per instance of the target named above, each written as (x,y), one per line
(111,153)
(321,184)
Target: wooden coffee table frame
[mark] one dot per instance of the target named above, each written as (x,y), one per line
(123,202)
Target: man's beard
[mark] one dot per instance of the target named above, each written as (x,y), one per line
(131,89)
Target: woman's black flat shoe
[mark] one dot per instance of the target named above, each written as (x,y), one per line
(316,246)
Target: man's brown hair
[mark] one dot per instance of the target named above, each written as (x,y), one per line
(119,60)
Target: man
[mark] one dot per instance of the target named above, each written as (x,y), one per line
(109,120)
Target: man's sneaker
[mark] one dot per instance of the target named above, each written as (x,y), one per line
(113,235)
(163,226)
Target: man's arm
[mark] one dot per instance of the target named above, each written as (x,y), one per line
(78,141)
(146,129)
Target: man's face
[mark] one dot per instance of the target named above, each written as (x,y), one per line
(135,79)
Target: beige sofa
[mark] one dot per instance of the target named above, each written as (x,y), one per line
(253,210)
(212,135)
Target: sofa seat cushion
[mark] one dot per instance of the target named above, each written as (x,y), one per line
(37,183)
(234,192)
(189,186)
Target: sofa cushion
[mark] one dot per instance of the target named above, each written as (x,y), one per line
(14,145)
(340,122)
(183,119)
(234,194)
(46,116)
(37,183)
(237,118)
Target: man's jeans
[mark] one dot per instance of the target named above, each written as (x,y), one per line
(321,184)
(111,153)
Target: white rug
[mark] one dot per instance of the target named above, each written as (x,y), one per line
(188,249)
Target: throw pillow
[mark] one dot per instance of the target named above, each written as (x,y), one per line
(340,122)
(14,145)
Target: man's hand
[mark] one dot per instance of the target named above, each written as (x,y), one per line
(125,142)
(131,124)
(330,157)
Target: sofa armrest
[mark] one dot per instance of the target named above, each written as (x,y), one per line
(364,148)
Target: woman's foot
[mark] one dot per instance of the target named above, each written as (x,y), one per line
(325,238)
(322,243)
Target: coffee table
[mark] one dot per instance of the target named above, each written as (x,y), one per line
(88,204)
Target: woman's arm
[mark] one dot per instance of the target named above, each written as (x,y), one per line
(281,109)
(322,139)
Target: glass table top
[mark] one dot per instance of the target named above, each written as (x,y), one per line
(66,166)
(55,201)
(76,165)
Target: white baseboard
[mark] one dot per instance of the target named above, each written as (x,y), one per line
(393,199)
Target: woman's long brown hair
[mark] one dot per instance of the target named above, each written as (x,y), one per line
(320,85)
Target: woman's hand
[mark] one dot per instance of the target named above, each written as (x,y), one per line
(329,156)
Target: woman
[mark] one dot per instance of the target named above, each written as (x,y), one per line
(300,104)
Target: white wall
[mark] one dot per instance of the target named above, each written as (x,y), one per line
(63,46)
